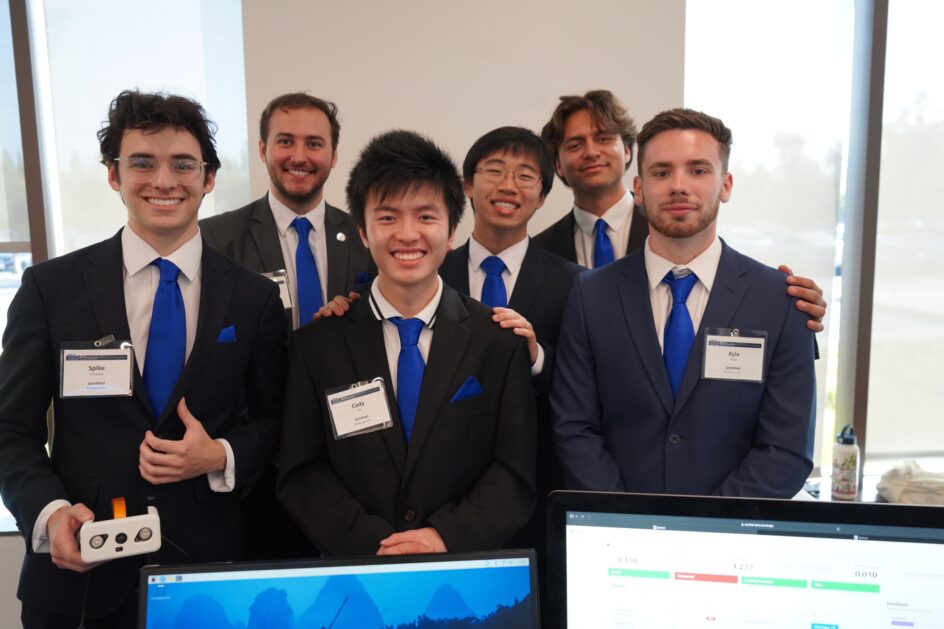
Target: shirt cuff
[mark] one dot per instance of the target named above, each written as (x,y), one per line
(40,541)
(224,481)
(538,365)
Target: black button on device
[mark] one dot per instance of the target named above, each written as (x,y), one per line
(674,439)
(121,538)
(409,516)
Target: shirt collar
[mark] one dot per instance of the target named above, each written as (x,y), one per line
(137,254)
(615,216)
(284,215)
(383,309)
(705,265)
(513,256)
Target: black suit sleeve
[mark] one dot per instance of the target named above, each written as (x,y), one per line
(502,499)
(254,442)
(28,481)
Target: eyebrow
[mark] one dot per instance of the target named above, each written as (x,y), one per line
(307,136)
(498,160)
(691,162)
(174,156)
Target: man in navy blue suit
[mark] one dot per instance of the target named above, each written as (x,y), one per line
(684,367)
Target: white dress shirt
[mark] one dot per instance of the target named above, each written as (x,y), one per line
(704,266)
(513,257)
(140,279)
(288,239)
(618,217)
(384,310)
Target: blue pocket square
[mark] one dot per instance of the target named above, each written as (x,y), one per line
(469,388)
(227,335)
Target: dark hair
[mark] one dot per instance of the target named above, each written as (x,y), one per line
(517,141)
(155,112)
(608,115)
(397,161)
(301,100)
(687,119)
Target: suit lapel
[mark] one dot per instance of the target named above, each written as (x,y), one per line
(104,283)
(566,235)
(265,236)
(450,340)
(638,229)
(455,269)
(530,277)
(728,290)
(637,308)
(366,347)
(216,286)
(338,238)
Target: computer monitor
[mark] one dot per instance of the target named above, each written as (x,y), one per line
(495,589)
(656,561)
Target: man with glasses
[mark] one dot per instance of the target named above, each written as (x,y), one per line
(187,409)
(591,138)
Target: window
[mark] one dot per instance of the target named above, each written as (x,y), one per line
(787,103)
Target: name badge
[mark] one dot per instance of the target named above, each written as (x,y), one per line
(734,354)
(280,277)
(359,409)
(104,368)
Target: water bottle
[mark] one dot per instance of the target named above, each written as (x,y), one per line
(846,465)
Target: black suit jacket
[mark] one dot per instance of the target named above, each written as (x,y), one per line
(469,467)
(250,236)
(540,296)
(234,389)
(559,237)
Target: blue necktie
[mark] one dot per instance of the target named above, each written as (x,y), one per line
(679,331)
(602,247)
(306,274)
(410,368)
(167,338)
(493,290)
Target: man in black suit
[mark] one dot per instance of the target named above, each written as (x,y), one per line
(444,460)
(202,412)
(591,138)
(298,141)
(508,173)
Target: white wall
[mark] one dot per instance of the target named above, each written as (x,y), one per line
(455,70)
(11,557)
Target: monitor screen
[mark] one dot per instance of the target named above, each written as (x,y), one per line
(472,590)
(660,562)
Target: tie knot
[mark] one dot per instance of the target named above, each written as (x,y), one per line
(600,226)
(168,269)
(409,330)
(493,265)
(302,226)
(681,286)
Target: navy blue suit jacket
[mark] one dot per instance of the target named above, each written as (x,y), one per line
(617,427)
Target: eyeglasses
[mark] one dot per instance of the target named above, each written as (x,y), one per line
(497,174)
(144,169)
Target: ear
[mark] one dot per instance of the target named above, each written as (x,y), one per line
(113,179)
(726,186)
(210,182)
(627,154)
(452,235)
(467,187)
(540,203)
(262,150)
(334,158)
(637,191)
(363,234)
(557,169)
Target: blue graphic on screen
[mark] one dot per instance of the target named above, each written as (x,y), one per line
(440,599)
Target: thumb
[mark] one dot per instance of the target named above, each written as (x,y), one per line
(185,415)
(783,268)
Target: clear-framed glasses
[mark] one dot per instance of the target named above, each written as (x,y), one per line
(497,174)
(143,169)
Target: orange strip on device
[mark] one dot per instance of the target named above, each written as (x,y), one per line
(118,509)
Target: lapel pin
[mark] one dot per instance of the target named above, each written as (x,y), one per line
(341,236)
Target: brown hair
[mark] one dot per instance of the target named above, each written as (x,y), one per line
(301,100)
(607,112)
(687,119)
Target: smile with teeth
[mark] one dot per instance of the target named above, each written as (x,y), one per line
(157,201)
(299,173)
(408,256)
(505,205)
